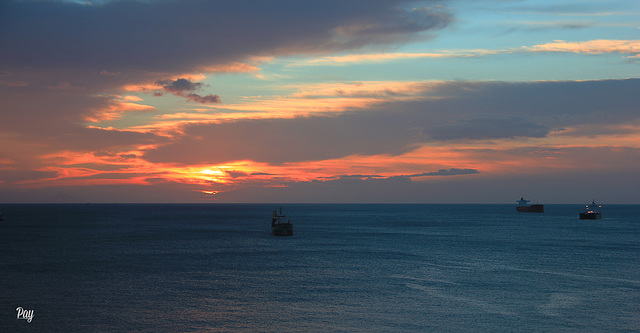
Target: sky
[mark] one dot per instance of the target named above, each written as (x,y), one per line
(333,101)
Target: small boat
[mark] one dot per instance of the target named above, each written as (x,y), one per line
(524,207)
(279,226)
(592,212)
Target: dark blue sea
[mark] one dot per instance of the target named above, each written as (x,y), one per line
(348,268)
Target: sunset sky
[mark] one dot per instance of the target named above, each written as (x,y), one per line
(280,101)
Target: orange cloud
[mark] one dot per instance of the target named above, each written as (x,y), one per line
(234,67)
(304,100)
(496,158)
(308,99)
(375,57)
(116,109)
(592,47)
(395,56)
(631,47)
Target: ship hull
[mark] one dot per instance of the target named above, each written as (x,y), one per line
(282,229)
(590,216)
(530,209)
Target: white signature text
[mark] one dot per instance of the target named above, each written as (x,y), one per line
(25,314)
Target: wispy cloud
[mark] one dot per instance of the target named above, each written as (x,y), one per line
(234,67)
(116,110)
(631,47)
(313,99)
(362,58)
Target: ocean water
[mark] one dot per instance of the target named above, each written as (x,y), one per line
(348,268)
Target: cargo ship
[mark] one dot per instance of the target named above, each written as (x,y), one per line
(524,207)
(592,212)
(279,226)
